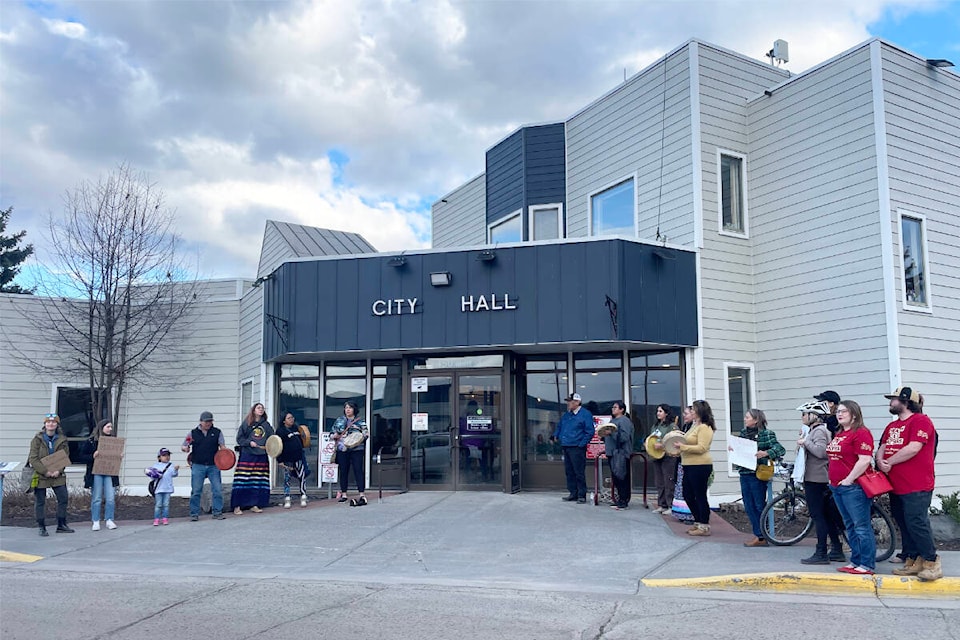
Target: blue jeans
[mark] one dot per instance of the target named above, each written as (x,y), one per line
(575,467)
(854,506)
(754,494)
(912,514)
(161,506)
(102,489)
(199,473)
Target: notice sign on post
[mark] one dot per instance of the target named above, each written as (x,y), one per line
(327,446)
(418,385)
(109,456)
(420,422)
(329,472)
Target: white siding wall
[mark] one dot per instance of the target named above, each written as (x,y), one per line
(150,417)
(621,134)
(922,109)
(726,81)
(816,230)
(251,341)
(461,221)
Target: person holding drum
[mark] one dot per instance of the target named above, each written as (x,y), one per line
(202,444)
(292,459)
(694,451)
(251,480)
(350,431)
(664,467)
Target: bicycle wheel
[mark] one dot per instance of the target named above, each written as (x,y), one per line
(791,519)
(883,531)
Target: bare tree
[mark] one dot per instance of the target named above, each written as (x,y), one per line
(122,288)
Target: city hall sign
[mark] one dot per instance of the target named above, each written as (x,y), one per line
(468,304)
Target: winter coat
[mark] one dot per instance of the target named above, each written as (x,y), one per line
(38,449)
(619,446)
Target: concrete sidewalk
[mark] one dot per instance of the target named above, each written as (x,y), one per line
(526,541)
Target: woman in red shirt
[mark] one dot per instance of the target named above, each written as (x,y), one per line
(850,453)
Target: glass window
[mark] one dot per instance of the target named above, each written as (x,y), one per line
(545,405)
(337,392)
(731,194)
(75,408)
(299,371)
(457,362)
(507,230)
(246,396)
(340,369)
(914,262)
(590,361)
(544,223)
(302,399)
(612,211)
(655,378)
(386,369)
(386,413)
(739,392)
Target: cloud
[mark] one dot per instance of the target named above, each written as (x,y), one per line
(236,109)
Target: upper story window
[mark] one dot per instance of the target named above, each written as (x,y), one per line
(509,229)
(546,222)
(613,211)
(916,271)
(732,188)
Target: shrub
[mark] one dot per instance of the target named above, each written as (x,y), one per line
(949,506)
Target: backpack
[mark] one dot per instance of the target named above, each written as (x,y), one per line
(152,486)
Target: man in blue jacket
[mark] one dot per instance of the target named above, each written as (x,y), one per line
(574,432)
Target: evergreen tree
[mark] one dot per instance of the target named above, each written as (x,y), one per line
(12,255)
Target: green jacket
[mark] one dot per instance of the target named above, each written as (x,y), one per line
(766,441)
(38,449)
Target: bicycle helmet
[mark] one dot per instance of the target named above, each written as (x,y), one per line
(820,408)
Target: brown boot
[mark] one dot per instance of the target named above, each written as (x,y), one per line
(755,542)
(931,570)
(701,530)
(911,567)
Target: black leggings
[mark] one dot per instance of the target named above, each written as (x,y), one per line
(824,514)
(695,479)
(346,460)
(41,497)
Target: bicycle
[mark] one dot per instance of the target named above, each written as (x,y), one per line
(792,522)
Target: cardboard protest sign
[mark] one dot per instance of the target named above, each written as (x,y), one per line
(56,461)
(109,456)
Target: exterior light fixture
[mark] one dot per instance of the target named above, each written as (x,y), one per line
(664,254)
(487,255)
(440,278)
(940,63)
(397,261)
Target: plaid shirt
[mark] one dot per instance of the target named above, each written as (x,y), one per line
(766,441)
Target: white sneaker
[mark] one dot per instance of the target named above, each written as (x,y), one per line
(303,501)
(110,524)
(96,526)
(286,502)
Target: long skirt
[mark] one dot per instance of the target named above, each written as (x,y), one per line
(251,482)
(679,508)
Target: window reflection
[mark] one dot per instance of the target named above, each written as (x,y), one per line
(302,399)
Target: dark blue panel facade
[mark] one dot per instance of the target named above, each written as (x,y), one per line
(526,168)
(543,294)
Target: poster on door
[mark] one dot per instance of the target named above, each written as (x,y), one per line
(329,473)
(420,422)
(595,448)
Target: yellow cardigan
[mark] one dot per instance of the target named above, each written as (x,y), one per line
(696,447)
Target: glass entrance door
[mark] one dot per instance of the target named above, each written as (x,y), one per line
(456,431)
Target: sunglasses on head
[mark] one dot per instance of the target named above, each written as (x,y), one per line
(50,415)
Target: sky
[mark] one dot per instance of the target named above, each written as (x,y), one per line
(347,115)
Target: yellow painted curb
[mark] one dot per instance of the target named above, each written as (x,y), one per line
(10,556)
(881,585)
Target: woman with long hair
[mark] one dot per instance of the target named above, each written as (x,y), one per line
(752,488)
(850,453)
(679,506)
(351,457)
(697,466)
(665,468)
(102,488)
(251,479)
(619,448)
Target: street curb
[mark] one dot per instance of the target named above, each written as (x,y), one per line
(816,582)
(11,556)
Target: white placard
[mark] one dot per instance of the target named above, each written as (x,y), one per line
(329,472)
(742,452)
(418,385)
(327,446)
(420,422)
(7,467)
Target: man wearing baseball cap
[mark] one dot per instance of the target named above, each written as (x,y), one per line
(205,440)
(832,398)
(906,456)
(574,432)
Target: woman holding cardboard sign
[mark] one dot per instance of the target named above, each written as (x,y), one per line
(43,447)
(101,486)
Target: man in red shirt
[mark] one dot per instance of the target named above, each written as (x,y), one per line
(906,456)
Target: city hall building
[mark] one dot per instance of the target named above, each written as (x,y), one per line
(712,228)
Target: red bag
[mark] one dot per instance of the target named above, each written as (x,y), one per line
(874,483)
